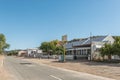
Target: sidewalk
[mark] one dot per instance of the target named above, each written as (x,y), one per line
(95,68)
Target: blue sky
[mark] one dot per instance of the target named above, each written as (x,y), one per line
(27,23)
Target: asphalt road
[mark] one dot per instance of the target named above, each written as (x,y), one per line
(24,70)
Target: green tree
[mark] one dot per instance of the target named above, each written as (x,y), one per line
(13,52)
(3,44)
(107,50)
(53,47)
(44,46)
(116,46)
(6,46)
(111,49)
(59,50)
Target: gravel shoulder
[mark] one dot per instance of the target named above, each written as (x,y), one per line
(4,74)
(109,70)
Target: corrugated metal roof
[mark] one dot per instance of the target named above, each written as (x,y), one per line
(95,38)
(85,41)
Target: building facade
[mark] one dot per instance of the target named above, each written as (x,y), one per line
(34,52)
(86,48)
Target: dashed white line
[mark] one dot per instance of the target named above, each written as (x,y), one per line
(56,77)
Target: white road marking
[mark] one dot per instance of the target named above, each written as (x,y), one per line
(56,77)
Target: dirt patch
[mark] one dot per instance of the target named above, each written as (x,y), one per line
(100,69)
(4,75)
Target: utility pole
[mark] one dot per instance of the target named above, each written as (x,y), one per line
(64,53)
(90,46)
(64,40)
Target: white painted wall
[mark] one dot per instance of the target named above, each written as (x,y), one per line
(116,57)
(39,51)
(110,39)
(69,57)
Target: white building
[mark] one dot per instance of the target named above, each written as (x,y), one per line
(34,52)
(87,48)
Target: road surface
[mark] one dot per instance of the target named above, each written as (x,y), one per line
(25,70)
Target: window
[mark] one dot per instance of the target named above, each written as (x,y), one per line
(80,52)
(88,51)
